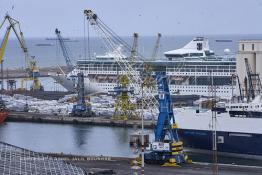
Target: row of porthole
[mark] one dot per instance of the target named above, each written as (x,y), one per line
(198,91)
(200,87)
(197,73)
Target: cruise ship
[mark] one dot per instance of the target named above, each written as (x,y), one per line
(190,68)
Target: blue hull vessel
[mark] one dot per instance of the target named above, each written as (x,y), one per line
(229,143)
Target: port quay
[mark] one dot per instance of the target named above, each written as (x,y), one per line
(130,88)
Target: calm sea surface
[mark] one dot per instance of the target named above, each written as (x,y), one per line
(85,140)
(52,56)
(75,139)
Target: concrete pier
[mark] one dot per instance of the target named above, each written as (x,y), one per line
(118,165)
(100,121)
(21,73)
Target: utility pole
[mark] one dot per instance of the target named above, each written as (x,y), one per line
(143,141)
(214,127)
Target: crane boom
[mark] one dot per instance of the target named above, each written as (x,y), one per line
(19,36)
(113,41)
(64,49)
(4,43)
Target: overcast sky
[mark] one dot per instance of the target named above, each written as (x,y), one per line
(39,18)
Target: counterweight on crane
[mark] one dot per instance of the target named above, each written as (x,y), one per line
(64,50)
(31,67)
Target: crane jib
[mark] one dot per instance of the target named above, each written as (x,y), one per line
(4,43)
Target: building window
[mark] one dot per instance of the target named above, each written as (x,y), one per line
(243,47)
(253,46)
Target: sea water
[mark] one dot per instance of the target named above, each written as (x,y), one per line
(50,54)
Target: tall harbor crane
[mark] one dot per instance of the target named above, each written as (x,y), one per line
(31,67)
(167,148)
(156,48)
(64,50)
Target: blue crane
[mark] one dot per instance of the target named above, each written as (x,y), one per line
(167,149)
(64,49)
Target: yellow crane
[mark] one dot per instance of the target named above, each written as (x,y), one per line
(31,67)
(124,109)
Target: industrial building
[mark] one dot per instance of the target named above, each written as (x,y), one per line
(252,50)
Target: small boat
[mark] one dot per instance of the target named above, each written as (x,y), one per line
(224,40)
(45,44)
(3,111)
(3,116)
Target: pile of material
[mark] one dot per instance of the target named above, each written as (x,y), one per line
(20,103)
(102,105)
(14,160)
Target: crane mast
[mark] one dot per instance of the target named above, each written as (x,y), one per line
(134,50)
(64,49)
(156,48)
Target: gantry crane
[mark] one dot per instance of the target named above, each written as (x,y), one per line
(31,67)
(64,50)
